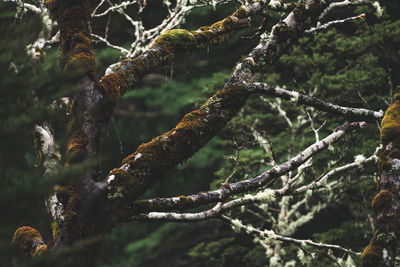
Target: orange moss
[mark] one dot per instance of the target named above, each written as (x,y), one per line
(111,94)
(372,254)
(226,185)
(39,250)
(26,238)
(185,200)
(76,148)
(382,199)
(71,209)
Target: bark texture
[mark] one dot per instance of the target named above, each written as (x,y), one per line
(381,250)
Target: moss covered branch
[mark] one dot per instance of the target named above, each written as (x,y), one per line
(154,159)
(381,250)
(85,123)
(123,75)
(29,240)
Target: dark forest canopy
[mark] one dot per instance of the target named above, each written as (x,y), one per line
(200,133)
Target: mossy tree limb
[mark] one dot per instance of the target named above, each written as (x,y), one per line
(154,159)
(85,124)
(124,75)
(29,240)
(381,250)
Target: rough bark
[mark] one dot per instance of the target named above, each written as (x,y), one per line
(381,250)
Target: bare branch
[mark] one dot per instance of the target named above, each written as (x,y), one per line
(264,179)
(295,97)
(348,3)
(236,224)
(334,23)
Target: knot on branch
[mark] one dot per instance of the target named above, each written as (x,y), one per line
(29,240)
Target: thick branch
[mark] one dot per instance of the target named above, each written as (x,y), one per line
(85,124)
(381,251)
(351,113)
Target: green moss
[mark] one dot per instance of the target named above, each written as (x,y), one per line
(175,40)
(76,49)
(55,230)
(390,125)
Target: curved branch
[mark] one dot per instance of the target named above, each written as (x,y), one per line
(351,113)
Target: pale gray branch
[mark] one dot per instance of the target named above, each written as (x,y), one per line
(358,113)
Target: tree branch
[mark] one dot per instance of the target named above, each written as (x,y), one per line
(227,190)
(270,234)
(351,113)
(348,3)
